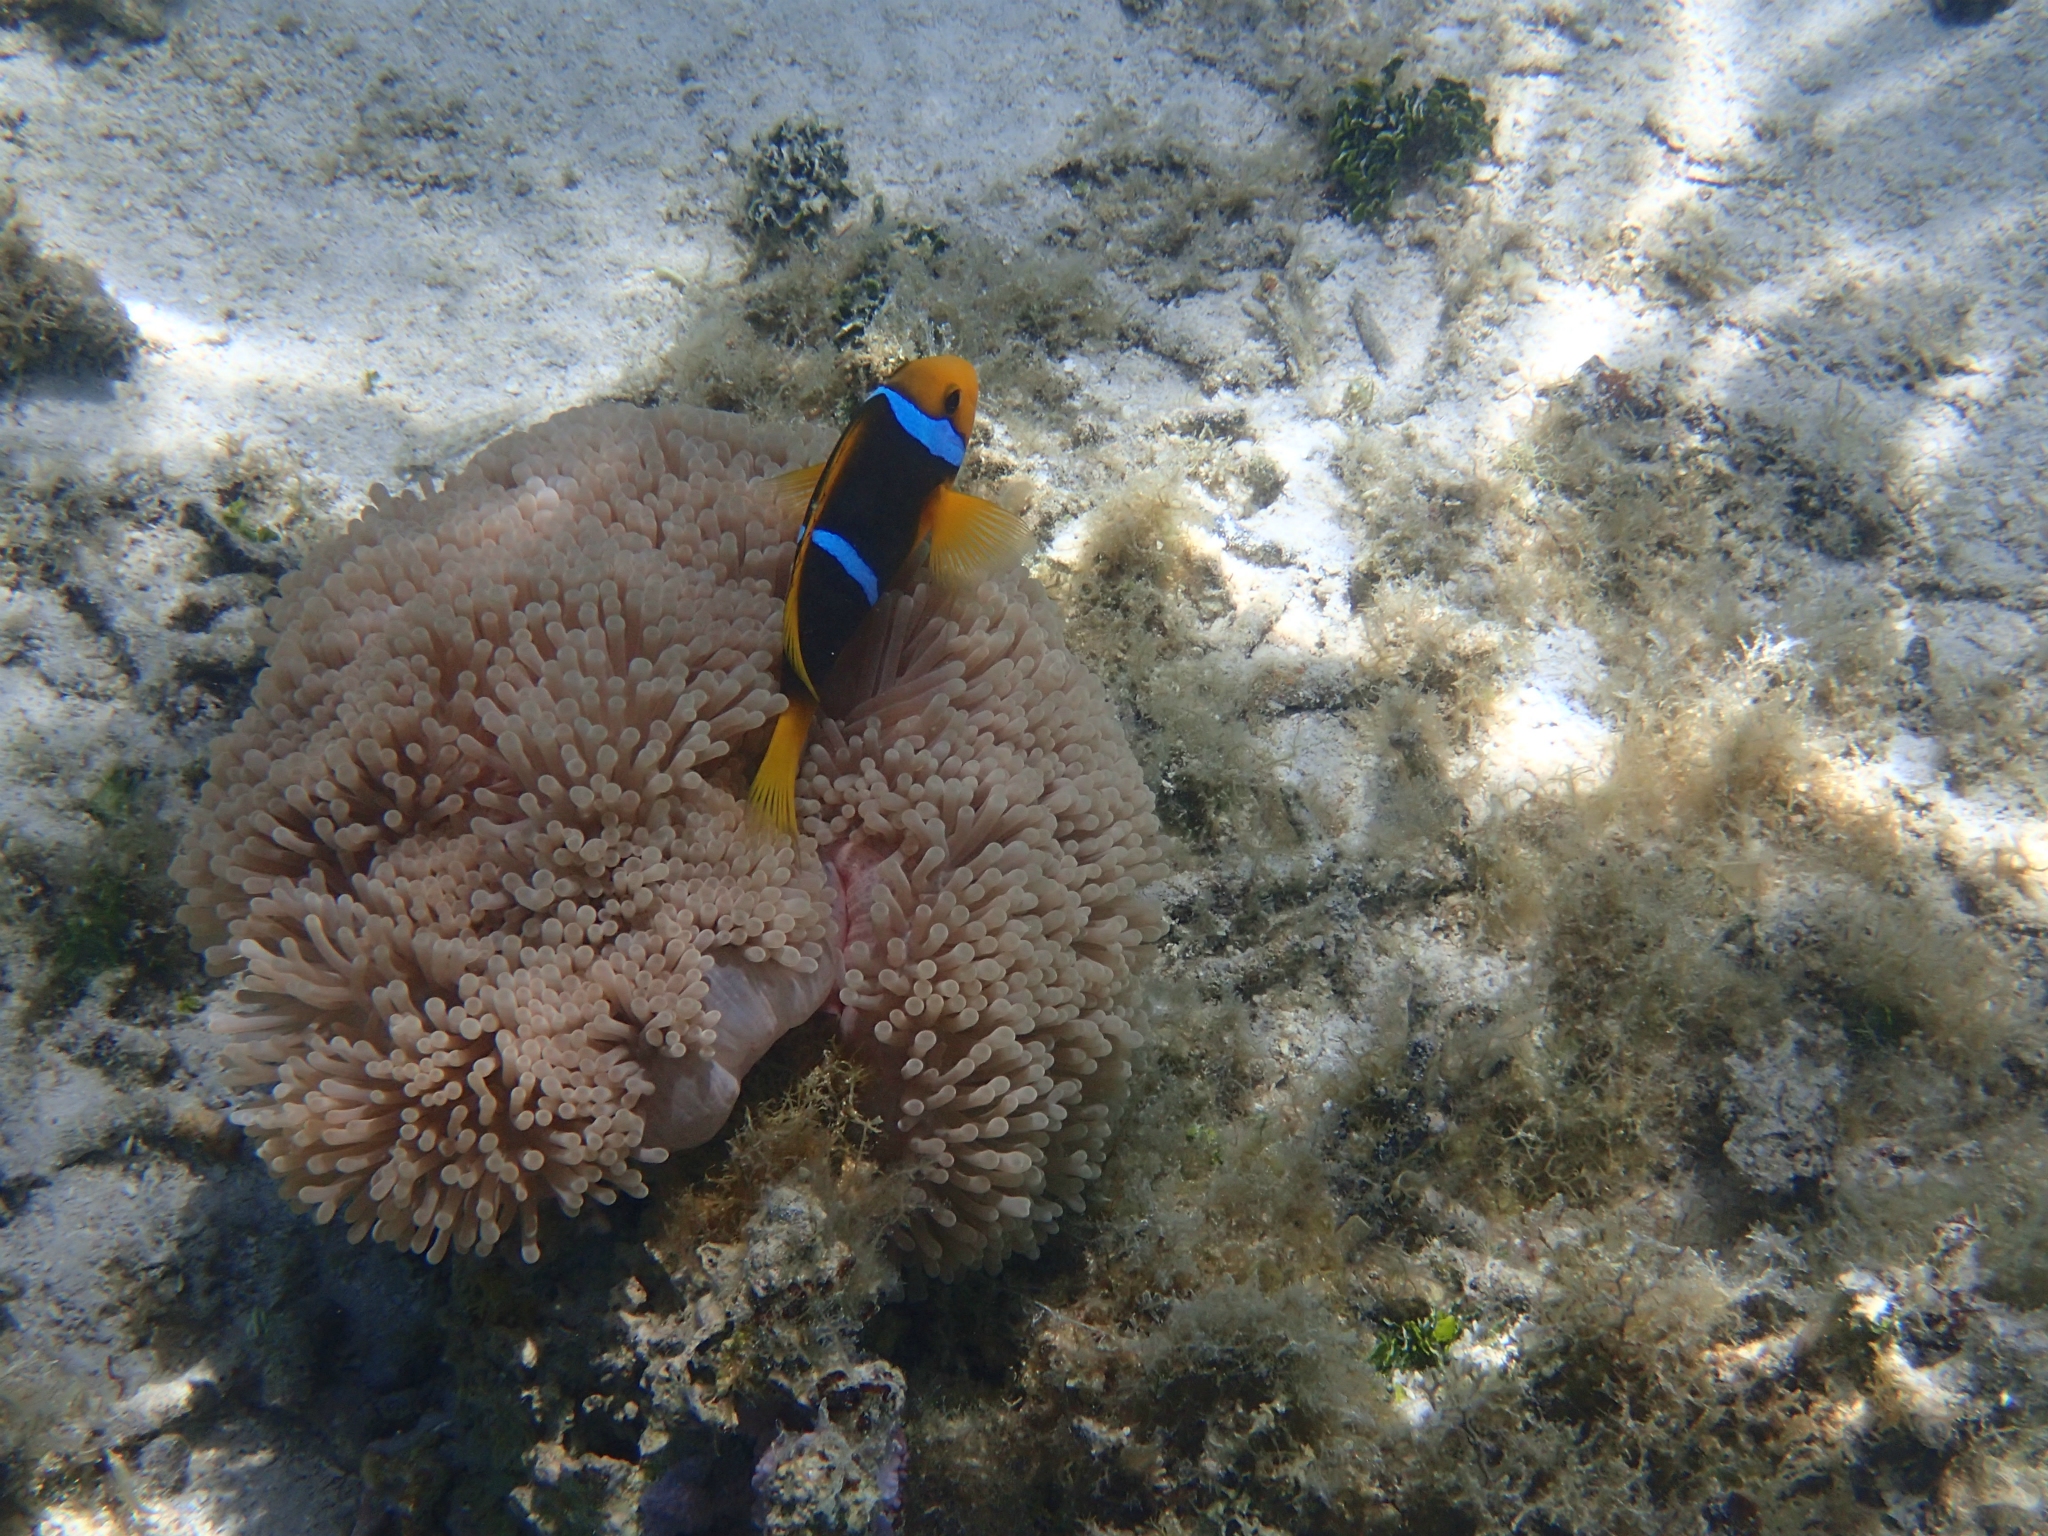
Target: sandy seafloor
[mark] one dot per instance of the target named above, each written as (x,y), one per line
(1763,204)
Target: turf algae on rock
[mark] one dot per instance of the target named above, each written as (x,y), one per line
(55,316)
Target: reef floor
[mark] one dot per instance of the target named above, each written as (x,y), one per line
(1583,628)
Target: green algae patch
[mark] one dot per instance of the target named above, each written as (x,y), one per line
(111,904)
(1383,139)
(796,186)
(1417,1343)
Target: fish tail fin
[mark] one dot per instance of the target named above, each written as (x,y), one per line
(774,793)
(971,537)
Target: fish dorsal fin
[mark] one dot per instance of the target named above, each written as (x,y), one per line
(793,488)
(971,537)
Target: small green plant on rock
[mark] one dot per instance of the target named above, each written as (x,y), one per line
(1415,1345)
(1382,140)
(236,518)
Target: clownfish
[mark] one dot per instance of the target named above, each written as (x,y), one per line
(885,490)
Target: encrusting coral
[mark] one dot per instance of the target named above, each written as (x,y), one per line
(503,930)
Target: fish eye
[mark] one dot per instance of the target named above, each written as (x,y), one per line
(952,401)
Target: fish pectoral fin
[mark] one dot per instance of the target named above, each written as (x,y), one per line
(793,488)
(774,793)
(971,537)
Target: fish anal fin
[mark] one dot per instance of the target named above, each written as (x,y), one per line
(793,488)
(971,537)
(773,795)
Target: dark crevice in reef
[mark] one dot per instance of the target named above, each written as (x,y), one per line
(232,555)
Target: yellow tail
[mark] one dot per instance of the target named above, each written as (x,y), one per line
(774,791)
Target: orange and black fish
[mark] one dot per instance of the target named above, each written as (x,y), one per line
(885,490)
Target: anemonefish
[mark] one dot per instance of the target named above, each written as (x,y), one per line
(885,491)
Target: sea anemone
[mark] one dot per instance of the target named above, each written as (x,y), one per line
(502,929)
(981,811)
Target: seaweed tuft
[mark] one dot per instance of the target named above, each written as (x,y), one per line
(1175,210)
(795,185)
(55,317)
(802,1125)
(810,332)
(1382,140)
(1138,596)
